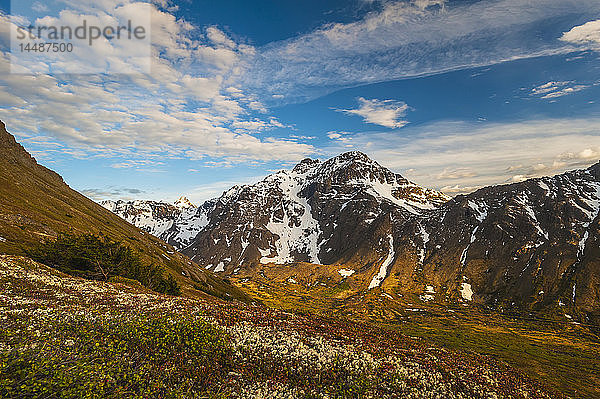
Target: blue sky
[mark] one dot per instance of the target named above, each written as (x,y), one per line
(454,95)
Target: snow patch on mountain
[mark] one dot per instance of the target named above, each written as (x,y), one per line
(297,231)
(480,208)
(544,187)
(463,257)
(383,270)
(346,272)
(428,295)
(525,204)
(220,267)
(385,191)
(466,291)
(425,237)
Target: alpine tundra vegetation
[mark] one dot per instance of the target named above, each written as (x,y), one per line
(316,199)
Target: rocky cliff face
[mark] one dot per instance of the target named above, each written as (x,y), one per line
(527,245)
(320,212)
(530,245)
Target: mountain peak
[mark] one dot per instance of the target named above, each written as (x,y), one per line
(595,169)
(354,160)
(183,202)
(355,155)
(305,164)
(14,153)
(6,139)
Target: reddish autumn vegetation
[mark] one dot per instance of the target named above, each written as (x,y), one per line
(67,337)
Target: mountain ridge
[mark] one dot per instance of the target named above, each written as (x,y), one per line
(519,246)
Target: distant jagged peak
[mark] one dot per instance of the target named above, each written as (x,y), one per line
(184,203)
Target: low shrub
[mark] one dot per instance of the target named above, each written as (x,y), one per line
(101,258)
(142,358)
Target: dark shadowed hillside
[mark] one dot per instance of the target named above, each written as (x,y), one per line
(36,204)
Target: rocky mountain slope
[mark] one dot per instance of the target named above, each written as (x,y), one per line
(176,223)
(35,204)
(307,214)
(525,246)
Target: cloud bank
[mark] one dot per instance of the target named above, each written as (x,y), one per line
(588,33)
(459,157)
(416,38)
(188,107)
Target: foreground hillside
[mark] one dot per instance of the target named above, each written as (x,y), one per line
(67,337)
(36,205)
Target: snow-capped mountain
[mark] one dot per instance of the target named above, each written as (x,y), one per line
(526,245)
(319,212)
(176,223)
(289,216)
(532,244)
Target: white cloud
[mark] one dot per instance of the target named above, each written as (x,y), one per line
(104,56)
(457,173)
(341,138)
(140,164)
(187,107)
(257,106)
(457,189)
(113,192)
(387,113)
(408,39)
(217,37)
(552,89)
(517,179)
(39,7)
(586,34)
(458,156)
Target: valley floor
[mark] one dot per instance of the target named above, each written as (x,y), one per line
(66,337)
(552,350)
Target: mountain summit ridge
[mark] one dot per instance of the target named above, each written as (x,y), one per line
(289,212)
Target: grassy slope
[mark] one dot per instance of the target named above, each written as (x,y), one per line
(556,352)
(66,337)
(35,203)
(560,356)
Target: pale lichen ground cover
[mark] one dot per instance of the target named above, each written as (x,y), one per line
(128,342)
